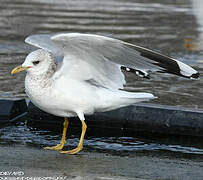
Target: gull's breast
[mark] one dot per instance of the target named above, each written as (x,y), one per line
(59,100)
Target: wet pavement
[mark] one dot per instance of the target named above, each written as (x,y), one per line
(34,162)
(101,140)
(173,28)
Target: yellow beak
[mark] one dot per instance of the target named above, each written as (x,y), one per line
(18,69)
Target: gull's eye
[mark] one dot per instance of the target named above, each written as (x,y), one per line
(35,62)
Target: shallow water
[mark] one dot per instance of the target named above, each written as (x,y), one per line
(170,27)
(108,142)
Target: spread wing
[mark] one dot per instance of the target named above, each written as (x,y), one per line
(87,56)
(44,41)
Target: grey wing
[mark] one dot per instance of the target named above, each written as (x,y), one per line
(100,48)
(44,41)
(99,59)
(76,65)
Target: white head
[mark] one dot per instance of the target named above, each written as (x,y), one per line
(38,63)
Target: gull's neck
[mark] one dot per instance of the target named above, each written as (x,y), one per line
(42,81)
(37,85)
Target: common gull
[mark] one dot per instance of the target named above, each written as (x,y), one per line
(75,74)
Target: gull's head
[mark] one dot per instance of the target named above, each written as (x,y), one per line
(39,62)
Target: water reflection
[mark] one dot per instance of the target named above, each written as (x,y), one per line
(162,26)
(40,137)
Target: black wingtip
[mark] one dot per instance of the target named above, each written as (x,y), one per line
(195,76)
(140,73)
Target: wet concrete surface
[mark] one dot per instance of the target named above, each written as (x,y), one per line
(36,162)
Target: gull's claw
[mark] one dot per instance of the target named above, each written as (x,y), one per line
(73,151)
(57,147)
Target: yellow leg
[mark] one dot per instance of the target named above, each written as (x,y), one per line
(80,145)
(63,140)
